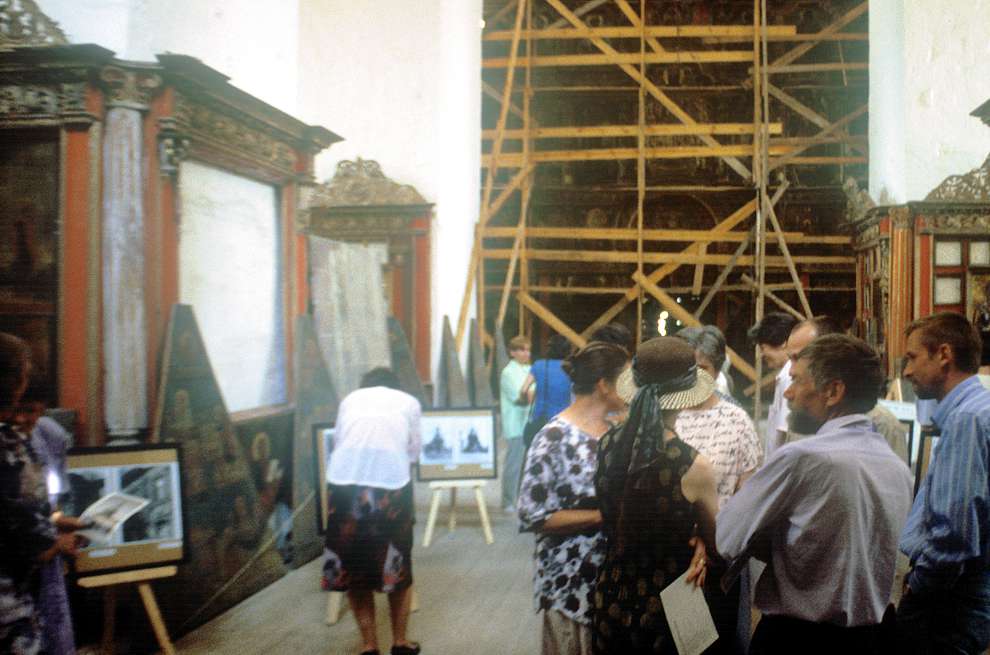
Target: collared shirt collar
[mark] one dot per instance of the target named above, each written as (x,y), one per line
(953,398)
(841,422)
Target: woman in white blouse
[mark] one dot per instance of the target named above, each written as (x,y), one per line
(371,515)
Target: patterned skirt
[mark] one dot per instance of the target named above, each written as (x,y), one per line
(369,538)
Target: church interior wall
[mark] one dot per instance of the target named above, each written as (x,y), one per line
(925,60)
(415,107)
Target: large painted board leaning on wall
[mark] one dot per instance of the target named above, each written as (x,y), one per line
(231,550)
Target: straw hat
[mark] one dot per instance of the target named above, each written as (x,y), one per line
(661,360)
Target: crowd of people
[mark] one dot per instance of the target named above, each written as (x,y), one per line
(652,473)
(642,470)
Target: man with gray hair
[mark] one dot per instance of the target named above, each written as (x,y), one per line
(825,512)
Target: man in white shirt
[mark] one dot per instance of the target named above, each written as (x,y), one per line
(825,512)
(770,335)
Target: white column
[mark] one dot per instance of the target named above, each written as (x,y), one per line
(125,366)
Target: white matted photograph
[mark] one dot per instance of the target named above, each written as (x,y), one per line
(457,444)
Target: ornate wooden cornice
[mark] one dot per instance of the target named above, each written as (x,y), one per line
(210,119)
(48,85)
(217,122)
(362,183)
(974,186)
(361,204)
(22,23)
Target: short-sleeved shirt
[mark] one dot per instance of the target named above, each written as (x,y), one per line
(514,415)
(725,435)
(560,474)
(553,388)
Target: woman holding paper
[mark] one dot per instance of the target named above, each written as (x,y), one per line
(657,496)
(28,536)
(557,499)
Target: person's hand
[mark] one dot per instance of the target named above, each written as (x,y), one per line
(699,562)
(65,523)
(69,543)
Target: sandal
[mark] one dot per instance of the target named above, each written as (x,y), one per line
(411,649)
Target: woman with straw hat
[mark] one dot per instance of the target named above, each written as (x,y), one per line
(657,495)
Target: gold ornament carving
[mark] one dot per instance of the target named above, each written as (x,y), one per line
(362,183)
(958,223)
(974,186)
(130,88)
(239,133)
(41,100)
(22,23)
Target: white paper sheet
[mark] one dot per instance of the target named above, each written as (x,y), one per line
(688,616)
(109,513)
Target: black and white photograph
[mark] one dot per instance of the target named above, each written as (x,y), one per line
(457,444)
(438,445)
(158,520)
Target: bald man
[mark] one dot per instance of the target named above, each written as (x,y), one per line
(883,420)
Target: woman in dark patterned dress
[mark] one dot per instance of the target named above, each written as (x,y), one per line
(657,497)
(557,499)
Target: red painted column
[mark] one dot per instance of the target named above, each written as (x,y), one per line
(420,337)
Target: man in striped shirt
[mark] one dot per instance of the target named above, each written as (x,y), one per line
(946,605)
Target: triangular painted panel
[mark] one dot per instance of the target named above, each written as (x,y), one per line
(231,550)
(403,364)
(316,402)
(452,390)
(479,374)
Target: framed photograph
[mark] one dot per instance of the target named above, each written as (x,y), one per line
(906,413)
(457,444)
(133,497)
(926,450)
(322,447)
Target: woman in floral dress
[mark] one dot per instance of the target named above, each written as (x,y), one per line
(557,499)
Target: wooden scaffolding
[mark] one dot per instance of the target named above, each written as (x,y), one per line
(754,149)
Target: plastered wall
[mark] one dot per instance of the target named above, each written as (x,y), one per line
(400,80)
(928,70)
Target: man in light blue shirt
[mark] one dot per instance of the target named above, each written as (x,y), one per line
(946,605)
(824,512)
(515,410)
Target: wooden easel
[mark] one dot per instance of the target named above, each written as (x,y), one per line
(454,485)
(143,579)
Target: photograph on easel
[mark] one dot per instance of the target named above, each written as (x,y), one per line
(132,499)
(457,444)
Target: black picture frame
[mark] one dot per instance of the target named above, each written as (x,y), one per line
(449,452)
(97,560)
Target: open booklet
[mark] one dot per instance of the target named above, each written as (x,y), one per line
(103,517)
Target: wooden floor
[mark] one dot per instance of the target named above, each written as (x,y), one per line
(473,598)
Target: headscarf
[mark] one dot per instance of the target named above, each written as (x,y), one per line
(630,450)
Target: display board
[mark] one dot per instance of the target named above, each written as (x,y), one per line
(907,414)
(322,449)
(155,535)
(232,552)
(457,444)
